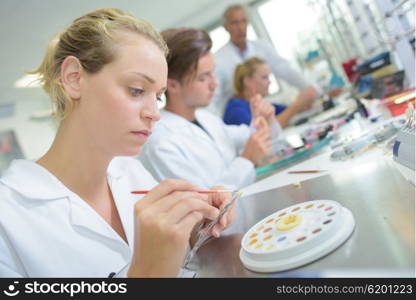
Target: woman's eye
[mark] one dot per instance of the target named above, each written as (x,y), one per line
(161,97)
(135,92)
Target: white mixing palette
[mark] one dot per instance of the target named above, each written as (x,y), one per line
(295,236)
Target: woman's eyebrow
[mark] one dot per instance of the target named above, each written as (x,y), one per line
(144,76)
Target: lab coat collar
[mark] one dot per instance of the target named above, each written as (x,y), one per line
(170,117)
(246,53)
(35,182)
(180,122)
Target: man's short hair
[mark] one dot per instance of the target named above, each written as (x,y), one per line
(231,8)
(186,47)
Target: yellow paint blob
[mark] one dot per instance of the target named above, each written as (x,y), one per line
(252,242)
(258,246)
(289,222)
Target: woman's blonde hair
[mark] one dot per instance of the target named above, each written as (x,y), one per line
(90,38)
(243,70)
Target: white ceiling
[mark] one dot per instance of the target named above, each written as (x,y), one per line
(27,25)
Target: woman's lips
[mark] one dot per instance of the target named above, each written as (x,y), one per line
(142,134)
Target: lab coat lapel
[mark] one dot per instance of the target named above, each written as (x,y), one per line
(219,141)
(84,217)
(197,131)
(35,182)
(125,202)
(176,121)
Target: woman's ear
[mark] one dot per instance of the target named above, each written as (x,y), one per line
(71,70)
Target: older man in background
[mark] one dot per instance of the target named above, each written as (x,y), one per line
(239,49)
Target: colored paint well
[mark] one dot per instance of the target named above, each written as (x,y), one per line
(269,247)
(317,230)
(328,208)
(267,237)
(322,205)
(253,235)
(309,206)
(281,239)
(296,209)
(327,222)
(269,220)
(282,214)
(289,222)
(258,246)
(331,214)
(301,239)
(252,242)
(267,229)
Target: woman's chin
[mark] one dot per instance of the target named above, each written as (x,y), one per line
(132,151)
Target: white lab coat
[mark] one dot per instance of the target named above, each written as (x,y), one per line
(180,149)
(229,56)
(48,231)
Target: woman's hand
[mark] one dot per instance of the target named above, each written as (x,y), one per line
(259,144)
(220,200)
(262,108)
(164,220)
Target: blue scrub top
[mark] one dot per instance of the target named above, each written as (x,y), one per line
(238,111)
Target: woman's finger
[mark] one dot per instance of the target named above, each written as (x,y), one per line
(165,188)
(173,198)
(190,205)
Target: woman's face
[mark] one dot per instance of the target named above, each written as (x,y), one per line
(260,80)
(118,105)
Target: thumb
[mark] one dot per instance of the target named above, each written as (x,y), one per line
(260,123)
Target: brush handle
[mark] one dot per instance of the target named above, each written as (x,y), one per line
(143,192)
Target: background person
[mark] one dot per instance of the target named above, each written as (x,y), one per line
(192,143)
(251,84)
(239,49)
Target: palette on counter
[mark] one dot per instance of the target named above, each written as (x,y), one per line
(296,235)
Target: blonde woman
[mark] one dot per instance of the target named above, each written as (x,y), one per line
(251,83)
(70,213)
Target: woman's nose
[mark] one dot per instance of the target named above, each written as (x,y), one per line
(151,110)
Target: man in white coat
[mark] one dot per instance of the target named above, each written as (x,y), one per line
(195,144)
(239,49)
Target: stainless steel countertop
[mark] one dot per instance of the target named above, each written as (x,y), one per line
(382,244)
